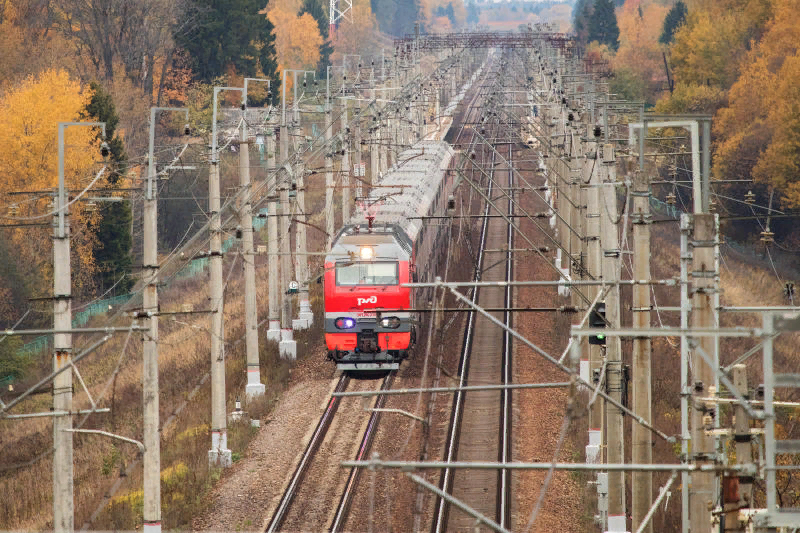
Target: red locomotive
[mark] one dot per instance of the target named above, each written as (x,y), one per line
(372,257)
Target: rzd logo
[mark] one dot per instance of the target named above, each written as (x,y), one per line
(370,300)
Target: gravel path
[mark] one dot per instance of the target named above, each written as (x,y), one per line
(245,496)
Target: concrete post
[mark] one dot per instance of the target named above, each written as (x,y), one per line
(287,347)
(254,386)
(63,510)
(611,272)
(329,204)
(374,158)
(305,318)
(359,179)
(151,440)
(152,437)
(345,166)
(741,431)
(274,296)
(63,506)
(219,453)
(642,451)
(576,222)
(593,261)
(702,487)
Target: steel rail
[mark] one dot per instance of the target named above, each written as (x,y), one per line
(504,485)
(445,482)
(311,449)
(343,508)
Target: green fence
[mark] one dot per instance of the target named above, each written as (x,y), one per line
(99,307)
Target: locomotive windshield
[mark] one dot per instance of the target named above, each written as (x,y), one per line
(367,273)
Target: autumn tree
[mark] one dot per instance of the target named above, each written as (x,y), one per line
(125,35)
(639,55)
(759,130)
(112,247)
(29,114)
(603,24)
(314,8)
(581,15)
(672,22)
(297,39)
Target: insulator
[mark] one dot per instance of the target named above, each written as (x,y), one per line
(750,198)
(671,199)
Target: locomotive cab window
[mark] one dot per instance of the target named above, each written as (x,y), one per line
(367,273)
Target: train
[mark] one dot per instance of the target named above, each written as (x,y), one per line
(370,325)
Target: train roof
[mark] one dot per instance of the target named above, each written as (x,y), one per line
(389,241)
(408,188)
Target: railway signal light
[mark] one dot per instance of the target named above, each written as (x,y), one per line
(597,319)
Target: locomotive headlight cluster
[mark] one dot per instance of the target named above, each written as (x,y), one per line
(390,322)
(345,322)
(367,252)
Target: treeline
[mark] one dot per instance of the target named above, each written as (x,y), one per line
(110,61)
(737,60)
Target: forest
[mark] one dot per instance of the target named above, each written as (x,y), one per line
(736,60)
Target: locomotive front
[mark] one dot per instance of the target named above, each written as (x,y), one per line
(366,327)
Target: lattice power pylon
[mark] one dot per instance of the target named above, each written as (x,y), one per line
(338,10)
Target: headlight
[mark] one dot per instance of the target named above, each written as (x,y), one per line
(390,322)
(345,323)
(366,252)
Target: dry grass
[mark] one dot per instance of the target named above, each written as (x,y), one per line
(26,468)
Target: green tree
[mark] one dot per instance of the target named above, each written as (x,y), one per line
(603,24)
(112,249)
(581,15)
(673,20)
(232,33)
(451,14)
(314,8)
(473,13)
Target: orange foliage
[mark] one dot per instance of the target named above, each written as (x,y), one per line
(177,82)
(759,130)
(640,25)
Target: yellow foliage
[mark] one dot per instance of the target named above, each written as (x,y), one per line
(297,39)
(29,116)
(640,26)
(174,474)
(759,131)
(193,432)
(134,499)
(710,46)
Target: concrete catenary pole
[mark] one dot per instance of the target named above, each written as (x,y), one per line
(287,347)
(702,487)
(254,387)
(744,451)
(593,261)
(63,506)
(641,446)
(609,218)
(219,454)
(359,178)
(330,211)
(345,165)
(152,438)
(273,294)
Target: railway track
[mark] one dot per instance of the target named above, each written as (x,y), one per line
(297,482)
(480,425)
